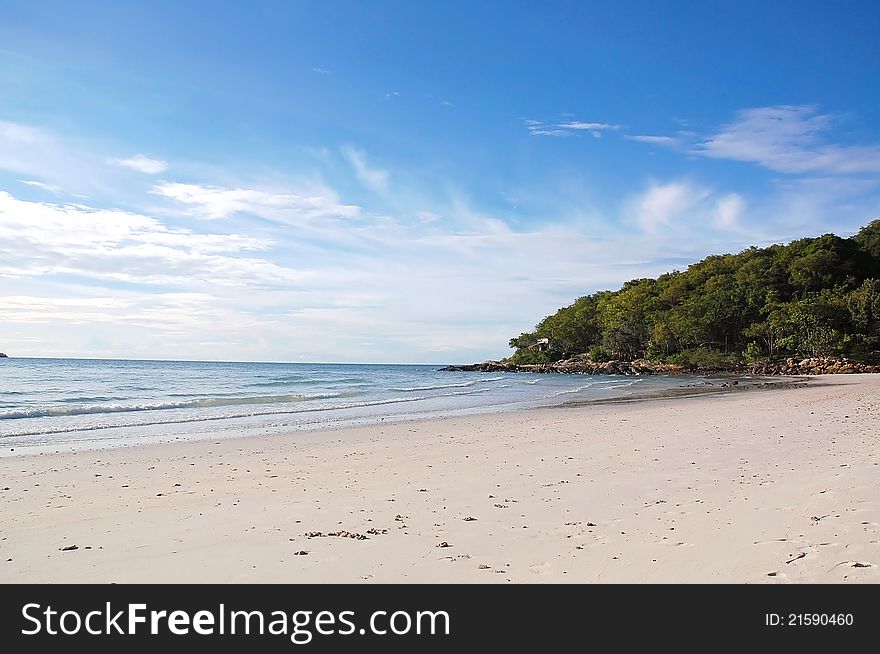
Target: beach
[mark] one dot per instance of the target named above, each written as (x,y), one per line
(774,485)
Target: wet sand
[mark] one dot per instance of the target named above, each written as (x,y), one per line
(776,486)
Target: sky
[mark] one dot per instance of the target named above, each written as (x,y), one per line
(404,182)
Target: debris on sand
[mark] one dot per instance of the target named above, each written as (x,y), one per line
(342,534)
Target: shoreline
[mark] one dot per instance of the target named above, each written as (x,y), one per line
(707,389)
(662,490)
(12,448)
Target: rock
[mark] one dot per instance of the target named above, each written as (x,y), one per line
(376,532)
(340,534)
(812,366)
(581,364)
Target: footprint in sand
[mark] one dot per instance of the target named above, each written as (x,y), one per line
(856,564)
(540,568)
(772,540)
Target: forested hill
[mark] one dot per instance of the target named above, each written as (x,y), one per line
(813,297)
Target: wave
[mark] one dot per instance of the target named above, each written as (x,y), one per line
(298,380)
(467,384)
(201,403)
(230,416)
(572,390)
(412,389)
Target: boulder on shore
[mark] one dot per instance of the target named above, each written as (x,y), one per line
(813,366)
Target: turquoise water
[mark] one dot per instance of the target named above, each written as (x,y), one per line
(65,404)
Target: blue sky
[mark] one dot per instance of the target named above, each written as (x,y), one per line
(404,181)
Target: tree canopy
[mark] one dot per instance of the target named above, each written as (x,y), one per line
(813,297)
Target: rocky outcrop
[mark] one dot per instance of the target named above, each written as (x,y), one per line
(812,366)
(583,365)
(3,356)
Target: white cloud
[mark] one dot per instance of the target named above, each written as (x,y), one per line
(789,139)
(653,139)
(374,179)
(322,71)
(142,164)
(567,128)
(35,153)
(581,125)
(55,190)
(728,210)
(214,202)
(43,239)
(793,139)
(662,204)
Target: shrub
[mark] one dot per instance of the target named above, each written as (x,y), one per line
(597,354)
(753,352)
(704,358)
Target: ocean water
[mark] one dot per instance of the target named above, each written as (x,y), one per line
(69,404)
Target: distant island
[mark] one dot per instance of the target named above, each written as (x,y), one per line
(3,356)
(809,307)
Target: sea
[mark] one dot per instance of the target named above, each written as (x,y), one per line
(54,405)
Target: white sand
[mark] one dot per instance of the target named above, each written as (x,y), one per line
(760,486)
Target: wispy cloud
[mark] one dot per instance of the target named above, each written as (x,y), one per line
(653,139)
(23,134)
(321,71)
(374,179)
(662,204)
(789,139)
(567,127)
(142,164)
(728,210)
(51,188)
(38,154)
(45,239)
(792,139)
(215,202)
(33,151)
(593,127)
